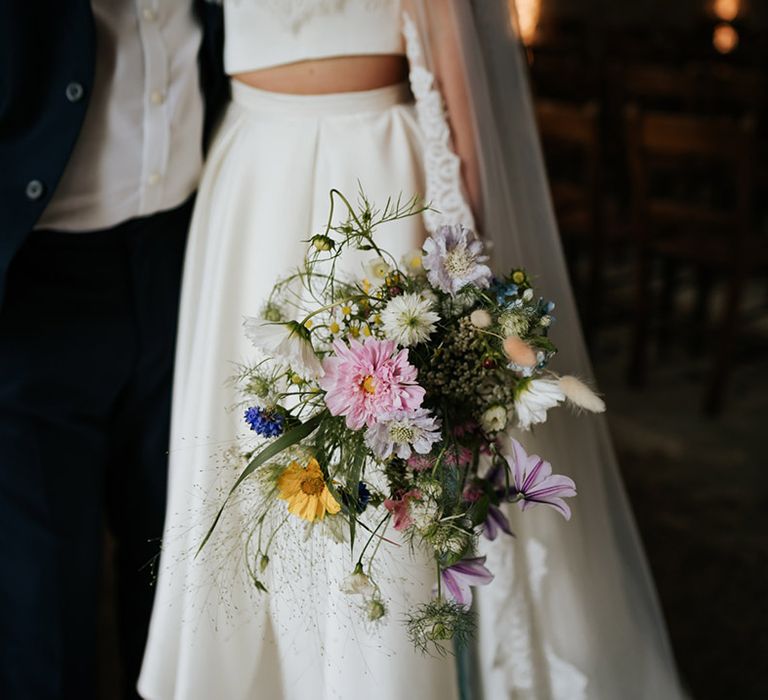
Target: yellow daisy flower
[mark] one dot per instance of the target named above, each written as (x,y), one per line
(305,491)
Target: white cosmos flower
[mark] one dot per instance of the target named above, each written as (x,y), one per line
(535,399)
(287,342)
(408,319)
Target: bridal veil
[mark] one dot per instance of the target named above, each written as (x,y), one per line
(573,612)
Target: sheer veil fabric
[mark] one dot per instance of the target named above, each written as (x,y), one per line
(573,612)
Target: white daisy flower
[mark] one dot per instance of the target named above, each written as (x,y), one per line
(408,319)
(412,262)
(378,268)
(535,398)
(287,342)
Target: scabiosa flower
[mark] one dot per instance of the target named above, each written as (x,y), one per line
(454,258)
(534,398)
(364,381)
(289,342)
(265,423)
(459,578)
(533,481)
(403,432)
(408,319)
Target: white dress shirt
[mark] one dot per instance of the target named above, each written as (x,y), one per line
(140,147)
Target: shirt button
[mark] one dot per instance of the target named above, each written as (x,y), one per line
(149,14)
(153,178)
(35,189)
(74,92)
(157,97)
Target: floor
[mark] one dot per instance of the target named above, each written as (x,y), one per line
(699,487)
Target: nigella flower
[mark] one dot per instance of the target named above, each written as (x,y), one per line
(458,579)
(365,381)
(454,258)
(408,319)
(534,398)
(533,482)
(402,433)
(265,423)
(289,342)
(495,521)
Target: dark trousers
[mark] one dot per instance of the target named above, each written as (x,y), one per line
(87,332)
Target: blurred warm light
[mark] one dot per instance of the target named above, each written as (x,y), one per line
(528,12)
(725,38)
(727,10)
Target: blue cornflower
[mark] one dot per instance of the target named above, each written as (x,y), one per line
(363,497)
(265,423)
(504,292)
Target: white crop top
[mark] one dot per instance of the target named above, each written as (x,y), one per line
(265,33)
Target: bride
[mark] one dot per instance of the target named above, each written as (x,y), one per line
(320,101)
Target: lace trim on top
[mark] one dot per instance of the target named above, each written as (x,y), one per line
(295,13)
(444,190)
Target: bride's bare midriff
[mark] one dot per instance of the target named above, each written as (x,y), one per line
(329,75)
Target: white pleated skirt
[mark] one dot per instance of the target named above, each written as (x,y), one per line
(265,189)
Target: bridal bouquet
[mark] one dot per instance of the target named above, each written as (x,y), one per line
(387,400)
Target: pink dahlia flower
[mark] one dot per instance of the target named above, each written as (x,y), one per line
(365,381)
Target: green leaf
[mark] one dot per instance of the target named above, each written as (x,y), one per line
(543,343)
(286,440)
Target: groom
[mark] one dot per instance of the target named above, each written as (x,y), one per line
(102,112)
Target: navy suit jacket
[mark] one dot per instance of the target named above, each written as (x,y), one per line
(47,55)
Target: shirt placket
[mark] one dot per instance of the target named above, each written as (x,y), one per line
(156,120)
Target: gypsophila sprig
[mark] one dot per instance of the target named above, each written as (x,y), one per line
(381,408)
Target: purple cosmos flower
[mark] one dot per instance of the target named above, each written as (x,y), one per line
(495,521)
(454,258)
(458,578)
(533,481)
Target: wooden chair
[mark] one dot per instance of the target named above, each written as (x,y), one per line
(571,139)
(716,236)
